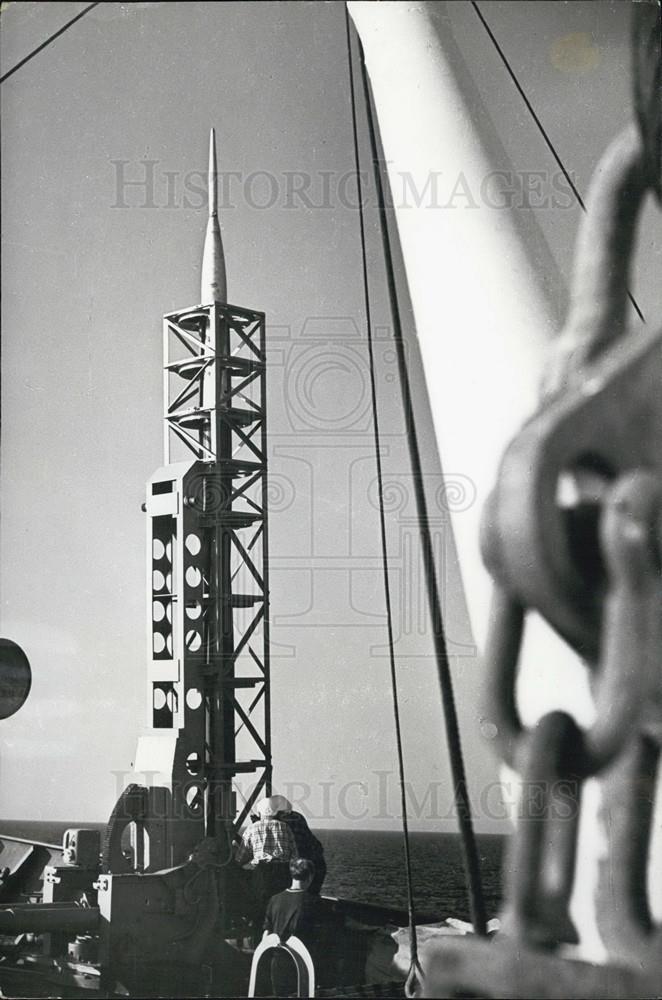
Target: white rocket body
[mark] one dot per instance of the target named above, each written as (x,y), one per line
(213,284)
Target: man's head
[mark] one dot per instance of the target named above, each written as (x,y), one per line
(302,872)
(270,806)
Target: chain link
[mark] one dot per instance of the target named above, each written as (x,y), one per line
(556,754)
(627,691)
(646,42)
(609,608)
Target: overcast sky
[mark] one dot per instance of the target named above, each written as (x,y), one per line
(92,260)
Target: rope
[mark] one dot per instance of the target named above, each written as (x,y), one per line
(415,974)
(48,41)
(541,129)
(460,792)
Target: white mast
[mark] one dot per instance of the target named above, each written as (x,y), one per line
(483,323)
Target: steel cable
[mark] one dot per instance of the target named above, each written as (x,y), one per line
(415,973)
(47,42)
(454,743)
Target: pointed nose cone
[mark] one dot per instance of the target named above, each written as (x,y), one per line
(213,286)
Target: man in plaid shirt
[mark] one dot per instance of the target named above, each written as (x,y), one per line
(266,848)
(266,840)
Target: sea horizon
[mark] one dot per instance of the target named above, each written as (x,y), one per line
(368,865)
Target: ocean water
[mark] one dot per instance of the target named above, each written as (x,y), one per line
(368,866)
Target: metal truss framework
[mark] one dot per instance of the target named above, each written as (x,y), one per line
(208,569)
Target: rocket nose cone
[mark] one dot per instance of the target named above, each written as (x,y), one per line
(213,283)
(212,173)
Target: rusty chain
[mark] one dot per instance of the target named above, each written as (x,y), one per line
(593,570)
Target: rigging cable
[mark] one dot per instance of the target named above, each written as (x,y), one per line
(541,129)
(460,791)
(48,41)
(415,974)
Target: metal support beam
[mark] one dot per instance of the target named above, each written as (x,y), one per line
(208,588)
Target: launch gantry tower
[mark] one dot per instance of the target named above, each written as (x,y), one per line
(207,578)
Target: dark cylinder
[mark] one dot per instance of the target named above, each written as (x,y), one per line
(15,678)
(47,918)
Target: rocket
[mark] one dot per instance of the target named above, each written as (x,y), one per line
(213,285)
